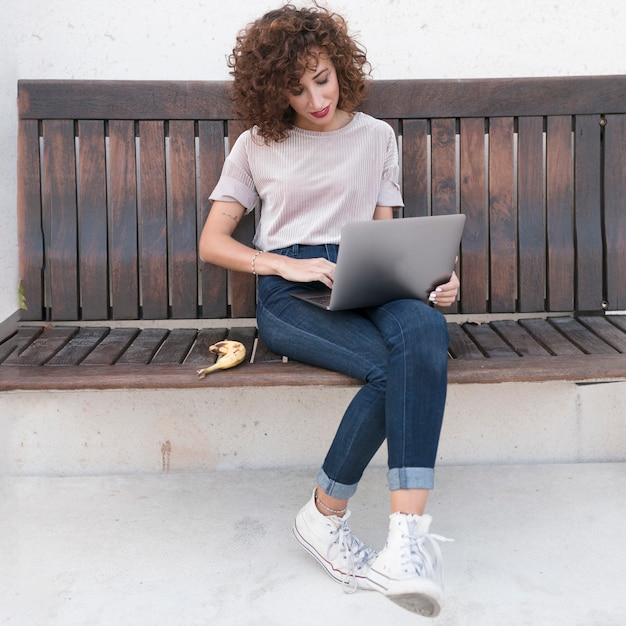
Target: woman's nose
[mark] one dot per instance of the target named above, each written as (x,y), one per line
(317,100)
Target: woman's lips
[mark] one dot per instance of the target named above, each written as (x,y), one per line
(322,113)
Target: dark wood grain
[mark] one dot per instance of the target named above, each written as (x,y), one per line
(43,347)
(502,217)
(213,279)
(123,228)
(153,226)
(183,226)
(415,168)
(560,225)
(29,220)
(615,210)
(387,98)
(531,215)
(473,269)
(588,213)
(59,219)
(79,346)
(112,346)
(92,221)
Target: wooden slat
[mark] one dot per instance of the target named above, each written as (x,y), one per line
(531,215)
(131,100)
(519,340)
(144,346)
(199,353)
(124,100)
(183,221)
(44,347)
(502,216)
(579,368)
(168,377)
(461,346)
(123,221)
(475,242)
(618,320)
(581,336)
(211,159)
(559,191)
(29,215)
(496,97)
(553,341)
(588,192)
(60,223)
(490,343)
(153,221)
(444,191)
(615,210)
(17,342)
(486,371)
(175,347)
(109,350)
(263,354)
(92,221)
(613,334)
(245,335)
(415,189)
(79,346)
(583,368)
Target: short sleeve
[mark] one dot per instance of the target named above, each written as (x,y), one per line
(235,183)
(389,193)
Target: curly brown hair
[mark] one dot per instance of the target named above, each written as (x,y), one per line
(272,54)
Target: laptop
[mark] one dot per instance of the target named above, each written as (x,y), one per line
(384,260)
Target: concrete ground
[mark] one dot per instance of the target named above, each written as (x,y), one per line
(535,545)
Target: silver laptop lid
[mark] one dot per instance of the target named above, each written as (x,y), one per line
(384,260)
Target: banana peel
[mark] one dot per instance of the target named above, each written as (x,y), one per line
(230,353)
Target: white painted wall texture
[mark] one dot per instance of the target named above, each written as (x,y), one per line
(189,39)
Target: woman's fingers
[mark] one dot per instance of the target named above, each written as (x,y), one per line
(446,294)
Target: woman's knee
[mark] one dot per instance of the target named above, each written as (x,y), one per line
(415,323)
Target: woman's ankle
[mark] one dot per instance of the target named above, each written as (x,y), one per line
(329,505)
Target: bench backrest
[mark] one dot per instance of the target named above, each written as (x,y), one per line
(114,176)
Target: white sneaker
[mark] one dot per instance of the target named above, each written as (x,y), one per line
(331,542)
(409,570)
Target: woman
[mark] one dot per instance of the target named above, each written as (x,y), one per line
(314,163)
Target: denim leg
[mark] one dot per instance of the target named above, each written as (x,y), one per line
(398,351)
(416,338)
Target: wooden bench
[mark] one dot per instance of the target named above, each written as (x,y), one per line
(113,181)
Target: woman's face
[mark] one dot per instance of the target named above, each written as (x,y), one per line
(315,101)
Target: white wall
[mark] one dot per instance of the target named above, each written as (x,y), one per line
(189,39)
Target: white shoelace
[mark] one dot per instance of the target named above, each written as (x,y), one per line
(359,555)
(426,561)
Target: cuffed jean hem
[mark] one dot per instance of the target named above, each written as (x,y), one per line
(335,489)
(411,478)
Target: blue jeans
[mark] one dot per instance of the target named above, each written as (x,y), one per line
(398,350)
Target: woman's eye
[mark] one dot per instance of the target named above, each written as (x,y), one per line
(323,81)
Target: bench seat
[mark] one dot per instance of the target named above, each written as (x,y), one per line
(65,356)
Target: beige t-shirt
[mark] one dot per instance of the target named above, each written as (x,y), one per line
(312,183)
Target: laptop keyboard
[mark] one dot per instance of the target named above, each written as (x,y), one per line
(323,299)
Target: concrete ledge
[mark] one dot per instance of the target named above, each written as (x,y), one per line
(103,432)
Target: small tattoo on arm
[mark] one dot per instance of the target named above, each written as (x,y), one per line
(232,217)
